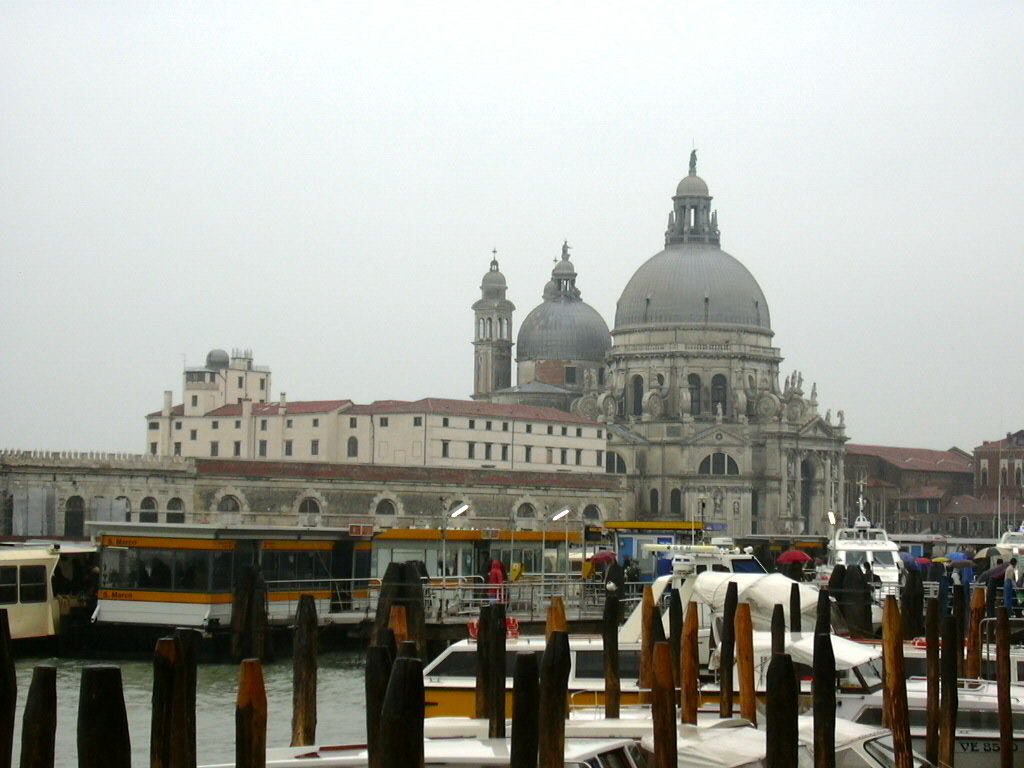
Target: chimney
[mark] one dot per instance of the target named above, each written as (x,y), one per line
(284,403)
(246,408)
(167,403)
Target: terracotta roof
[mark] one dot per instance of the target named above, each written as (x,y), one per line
(379,473)
(444,407)
(177,410)
(1012,440)
(272,409)
(970,505)
(925,492)
(917,459)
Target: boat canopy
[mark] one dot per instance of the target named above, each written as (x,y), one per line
(762,591)
(698,747)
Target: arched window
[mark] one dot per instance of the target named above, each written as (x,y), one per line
(228,504)
(480,329)
(654,501)
(638,395)
(309,506)
(353,448)
(718,464)
(526,510)
(385,507)
(148,511)
(1016,476)
(614,464)
(592,513)
(490,329)
(126,506)
(718,394)
(1002,475)
(964,525)
(984,477)
(74,517)
(693,382)
(175,511)
(675,502)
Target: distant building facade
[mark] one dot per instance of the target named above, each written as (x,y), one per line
(999,478)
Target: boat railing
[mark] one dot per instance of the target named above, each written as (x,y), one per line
(349,600)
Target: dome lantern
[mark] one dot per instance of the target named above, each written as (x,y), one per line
(692,220)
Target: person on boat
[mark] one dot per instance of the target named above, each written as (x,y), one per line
(1010,586)
(496,577)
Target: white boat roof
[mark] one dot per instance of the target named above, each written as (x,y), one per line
(762,591)
(587,723)
(800,646)
(698,747)
(847,731)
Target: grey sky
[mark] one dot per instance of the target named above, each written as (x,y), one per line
(324,183)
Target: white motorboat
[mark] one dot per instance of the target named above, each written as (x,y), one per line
(853,547)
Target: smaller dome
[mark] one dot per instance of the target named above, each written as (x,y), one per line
(493,277)
(564,268)
(217,358)
(692,186)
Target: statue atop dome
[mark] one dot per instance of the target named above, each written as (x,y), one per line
(693,162)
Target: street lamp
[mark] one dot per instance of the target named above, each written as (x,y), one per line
(560,515)
(444,537)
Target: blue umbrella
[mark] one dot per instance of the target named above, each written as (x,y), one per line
(909,561)
(959,556)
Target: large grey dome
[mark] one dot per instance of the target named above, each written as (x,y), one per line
(217,358)
(693,283)
(560,329)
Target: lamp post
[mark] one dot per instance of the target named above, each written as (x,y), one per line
(444,538)
(563,514)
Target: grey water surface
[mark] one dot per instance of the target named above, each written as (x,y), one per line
(340,716)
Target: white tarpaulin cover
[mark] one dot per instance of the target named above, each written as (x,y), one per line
(762,591)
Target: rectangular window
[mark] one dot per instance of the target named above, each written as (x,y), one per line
(32,583)
(263,448)
(472,423)
(241,382)
(177,425)
(444,421)
(565,431)
(529,428)
(215,448)
(472,450)
(570,374)
(600,434)
(314,447)
(288,423)
(237,448)
(487,451)
(488,425)
(579,456)
(192,434)
(8,584)
(238,424)
(195,400)
(287,447)
(562,454)
(600,376)
(263,425)
(177,449)
(417,421)
(352,422)
(579,431)
(550,456)
(504,453)
(214,424)
(152,449)
(444,449)
(316,422)
(551,430)
(154,425)
(529,454)
(263,384)
(504,426)
(600,458)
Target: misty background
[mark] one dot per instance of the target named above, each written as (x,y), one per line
(324,182)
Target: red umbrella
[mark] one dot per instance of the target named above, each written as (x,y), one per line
(924,561)
(605,556)
(793,556)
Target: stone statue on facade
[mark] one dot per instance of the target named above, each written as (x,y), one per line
(828,417)
(814,392)
(718,413)
(842,419)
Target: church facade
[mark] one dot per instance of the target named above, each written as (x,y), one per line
(688,381)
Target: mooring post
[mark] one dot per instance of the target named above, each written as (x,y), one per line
(496,673)
(554,680)
(8,692)
(933,674)
(745,662)
(165,673)
(103,740)
(188,640)
(525,713)
(663,708)
(689,693)
(782,699)
(778,629)
(259,626)
(398,623)
(401,719)
(960,617)
(483,667)
(305,646)
(1003,688)
(39,722)
(895,683)
(556,621)
(794,608)
(948,704)
(610,643)
(823,686)
(378,672)
(251,716)
(651,632)
(972,667)
(727,651)
(675,631)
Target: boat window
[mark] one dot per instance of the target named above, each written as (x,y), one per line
(855,557)
(463,664)
(615,759)
(9,584)
(744,565)
(33,584)
(590,665)
(881,750)
(976,719)
(851,758)
(638,756)
(191,571)
(883,557)
(222,567)
(718,567)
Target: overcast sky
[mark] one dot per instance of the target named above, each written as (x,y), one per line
(324,183)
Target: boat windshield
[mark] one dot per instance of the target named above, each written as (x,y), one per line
(855,557)
(881,750)
(883,557)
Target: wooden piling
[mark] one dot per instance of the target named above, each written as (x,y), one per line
(689,691)
(972,667)
(378,672)
(304,673)
(39,722)
(165,730)
(823,686)
(897,717)
(526,712)
(415,611)
(782,699)
(1003,687)
(610,642)
(556,621)
(8,691)
(745,662)
(407,650)
(241,602)
(959,614)
(554,680)
(401,717)
(778,629)
(103,740)
(794,608)
(251,716)
(663,708)
(948,703)
(188,641)
(727,651)
(932,672)
(675,631)
(259,626)
(483,680)
(496,673)
(648,618)
(397,623)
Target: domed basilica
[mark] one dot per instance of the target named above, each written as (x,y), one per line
(687,382)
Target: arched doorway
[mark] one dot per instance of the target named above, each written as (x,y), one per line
(74,517)
(637,392)
(806,493)
(675,504)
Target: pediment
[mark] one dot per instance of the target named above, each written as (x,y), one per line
(818,427)
(718,434)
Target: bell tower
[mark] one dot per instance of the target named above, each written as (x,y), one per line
(492,337)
